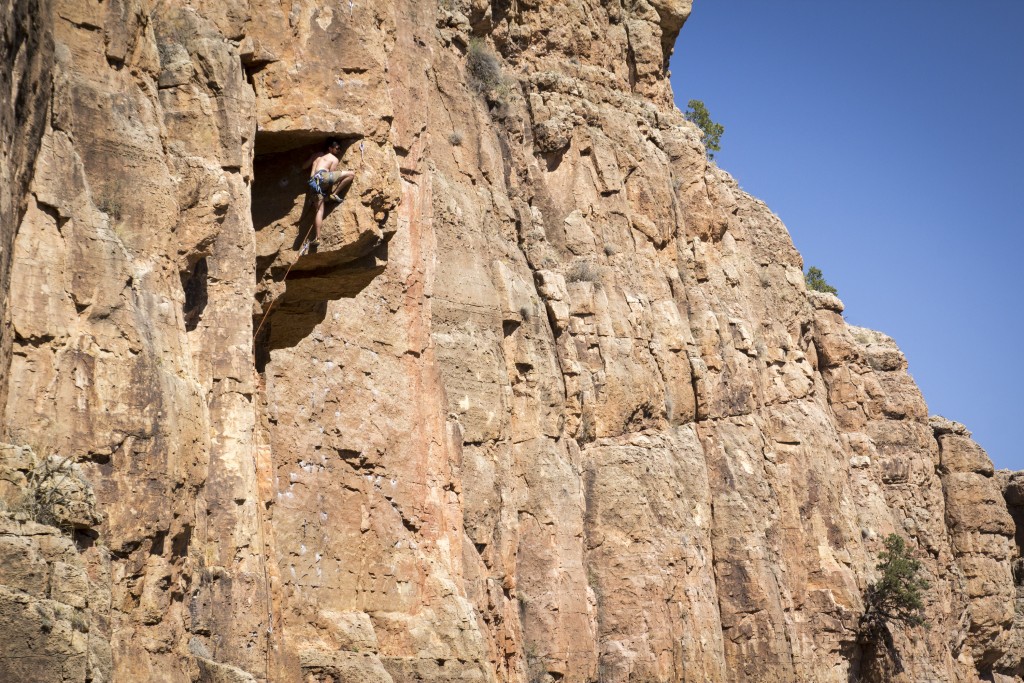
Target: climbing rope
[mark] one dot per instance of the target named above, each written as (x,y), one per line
(302,251)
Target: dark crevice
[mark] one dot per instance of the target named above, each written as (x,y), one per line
(181,541)
(196,297)
(126,550)
(33,340)
(500,10)
(262,347)
(553,160)
(630,60)
(157,546)
(409,525)
(84,538)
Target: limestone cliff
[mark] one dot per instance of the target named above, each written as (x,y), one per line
(551,402)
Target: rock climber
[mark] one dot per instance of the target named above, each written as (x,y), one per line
(325,182)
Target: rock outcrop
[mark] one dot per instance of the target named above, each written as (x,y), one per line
(551,402)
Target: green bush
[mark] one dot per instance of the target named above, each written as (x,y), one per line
(697,113)
(897,597)
(816,281)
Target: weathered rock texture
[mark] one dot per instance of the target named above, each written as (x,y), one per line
(26,57)
(550,403)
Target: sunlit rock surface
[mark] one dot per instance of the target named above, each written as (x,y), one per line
(550,402)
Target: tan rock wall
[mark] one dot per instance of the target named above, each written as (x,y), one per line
(550,402)
(26,58)
(139,177)
(55,587)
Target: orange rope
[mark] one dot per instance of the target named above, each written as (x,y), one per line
(264,319)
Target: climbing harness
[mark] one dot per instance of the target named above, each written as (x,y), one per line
(316,183)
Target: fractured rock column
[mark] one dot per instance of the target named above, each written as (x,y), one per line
(982,534)
(366,503)
(134,257)
(26,58)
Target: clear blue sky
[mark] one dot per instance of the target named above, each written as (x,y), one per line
(888,137)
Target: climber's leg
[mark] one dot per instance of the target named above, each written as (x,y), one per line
(318,220)
(339,181)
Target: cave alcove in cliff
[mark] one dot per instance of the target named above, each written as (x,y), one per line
(293,288)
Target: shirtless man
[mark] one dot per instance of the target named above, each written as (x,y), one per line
(325,181)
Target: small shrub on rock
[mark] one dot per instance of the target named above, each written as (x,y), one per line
(897,598)
(110,205)
(48,493)
(582,271)
(54,492)
(483,66)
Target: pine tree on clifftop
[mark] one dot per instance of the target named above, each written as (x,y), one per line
(698,114)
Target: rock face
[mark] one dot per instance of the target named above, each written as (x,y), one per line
(550,403)
(26,58)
